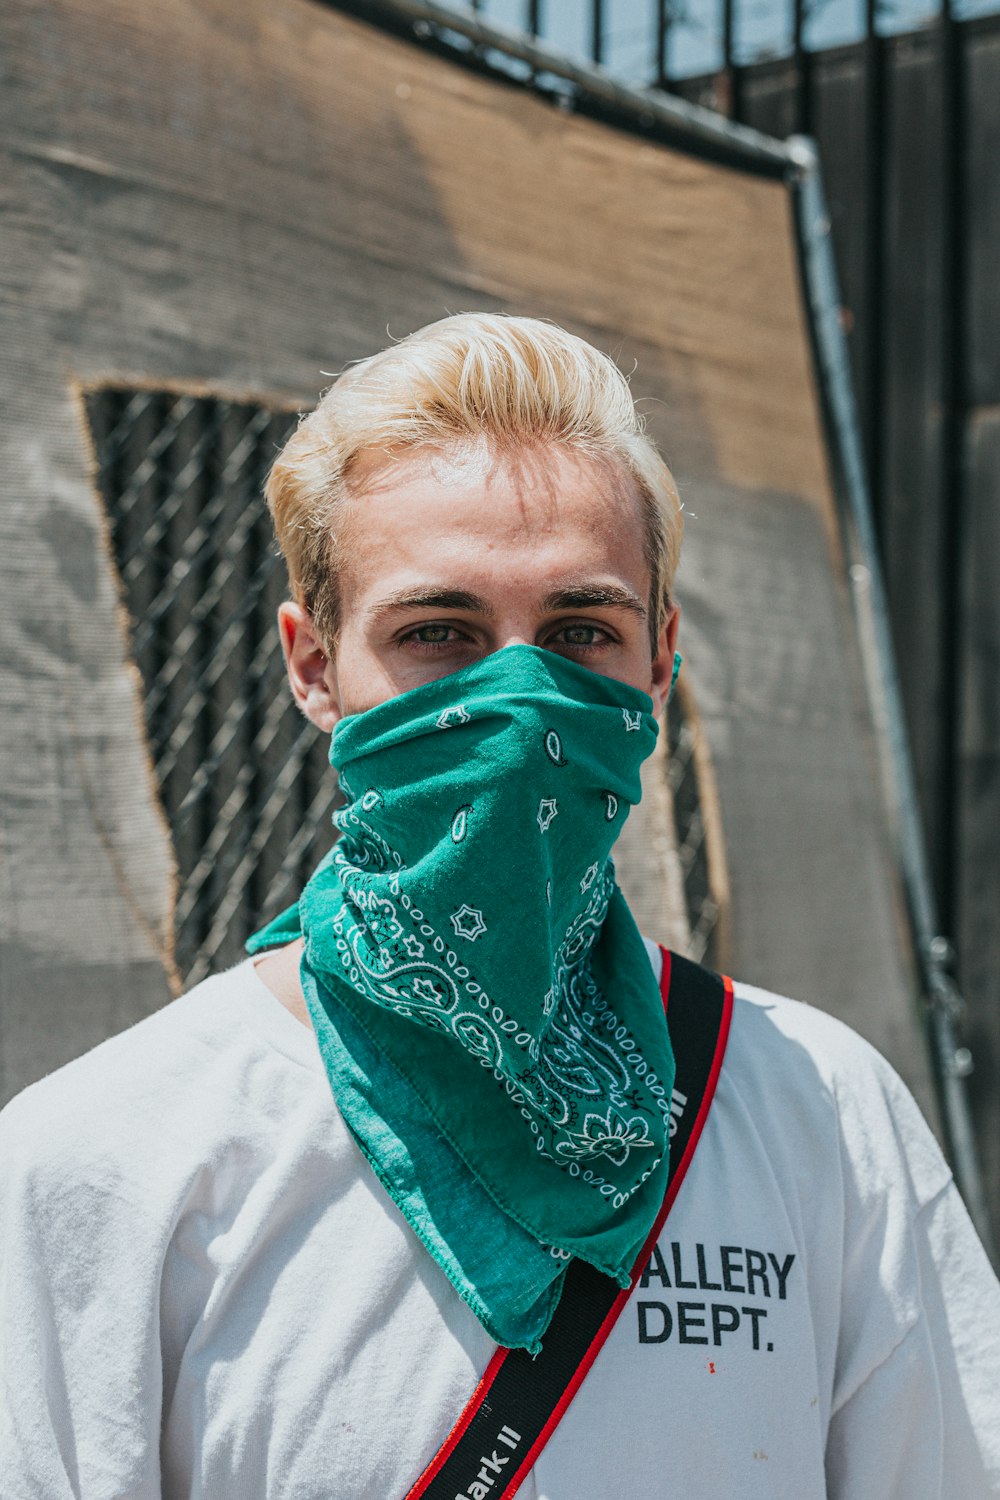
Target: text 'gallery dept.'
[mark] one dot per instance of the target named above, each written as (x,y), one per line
(730,1268)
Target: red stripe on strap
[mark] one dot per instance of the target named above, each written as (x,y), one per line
(665,977)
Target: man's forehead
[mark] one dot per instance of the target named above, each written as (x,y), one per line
(543,523)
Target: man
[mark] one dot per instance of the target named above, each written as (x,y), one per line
(266,1242)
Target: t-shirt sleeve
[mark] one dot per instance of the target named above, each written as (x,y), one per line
(916,1409)
(80,1371)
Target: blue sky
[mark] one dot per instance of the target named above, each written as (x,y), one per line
(763,28)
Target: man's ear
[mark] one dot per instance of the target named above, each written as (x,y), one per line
(663,661)
(311,672)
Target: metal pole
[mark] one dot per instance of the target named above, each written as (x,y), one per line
(597,31)
(953,417)
(803,70)
(944,1006)
(662,79)
(873,353)
(729,102)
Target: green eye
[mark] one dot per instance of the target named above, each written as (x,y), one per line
(432,635)
(579,635)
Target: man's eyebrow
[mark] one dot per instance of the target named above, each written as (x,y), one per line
(577,596)
(589,596)
(431,598)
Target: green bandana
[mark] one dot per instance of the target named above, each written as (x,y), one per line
(482,999)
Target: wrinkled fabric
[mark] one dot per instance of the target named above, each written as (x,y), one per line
(483,1003)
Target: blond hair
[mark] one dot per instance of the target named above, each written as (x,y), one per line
(513,381)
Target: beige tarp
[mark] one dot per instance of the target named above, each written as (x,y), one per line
(241,196)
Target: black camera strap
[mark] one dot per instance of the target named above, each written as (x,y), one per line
(520,1401)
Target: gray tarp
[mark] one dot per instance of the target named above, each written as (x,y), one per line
(240,196)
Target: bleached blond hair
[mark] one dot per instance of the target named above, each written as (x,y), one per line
(517,382)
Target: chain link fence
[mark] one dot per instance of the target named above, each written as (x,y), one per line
(703,909)
(243,778)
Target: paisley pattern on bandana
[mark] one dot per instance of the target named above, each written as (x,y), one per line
(583,1060)
(468,921)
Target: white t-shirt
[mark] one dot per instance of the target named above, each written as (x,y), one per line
(205,1293)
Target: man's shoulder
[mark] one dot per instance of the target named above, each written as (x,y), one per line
(809,1075)
(782,1024)
(800,1040)
(791,1037)
(799,1048)
(138,1096)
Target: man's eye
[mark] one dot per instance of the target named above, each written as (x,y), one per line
(582,635)
(431,636)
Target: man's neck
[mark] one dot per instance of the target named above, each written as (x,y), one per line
(279,970)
